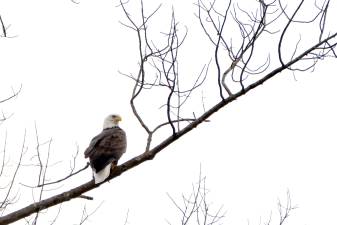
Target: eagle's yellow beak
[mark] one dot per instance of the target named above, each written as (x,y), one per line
(118,118)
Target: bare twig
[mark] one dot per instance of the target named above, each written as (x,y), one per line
(290,20)
(195,208)
(3,155)
(66,177)
(86,215)
(14,94)
(57,215)
(4,30)
(43,178)
(5,201)
(284,210)
(126,217)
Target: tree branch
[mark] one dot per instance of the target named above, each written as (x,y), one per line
(149,155)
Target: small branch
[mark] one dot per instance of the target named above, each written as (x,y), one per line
(174,121)
(86,215)
(4,155)
(66,177)
(38,155)
(126,218)
(57,215)
(14,94)
(290,20)
(86,197)
(4,30)
(196,207)
(5,201)
(284,211)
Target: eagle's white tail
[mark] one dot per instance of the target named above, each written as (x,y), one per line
(102,175)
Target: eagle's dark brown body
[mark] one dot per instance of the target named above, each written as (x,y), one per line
(106,148)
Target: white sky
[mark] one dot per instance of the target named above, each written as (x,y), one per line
(279,137)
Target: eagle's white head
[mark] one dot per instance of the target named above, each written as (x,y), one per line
(111,121)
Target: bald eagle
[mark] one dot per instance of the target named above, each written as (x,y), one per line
(106,148)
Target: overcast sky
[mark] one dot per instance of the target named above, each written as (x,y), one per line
(278,138)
